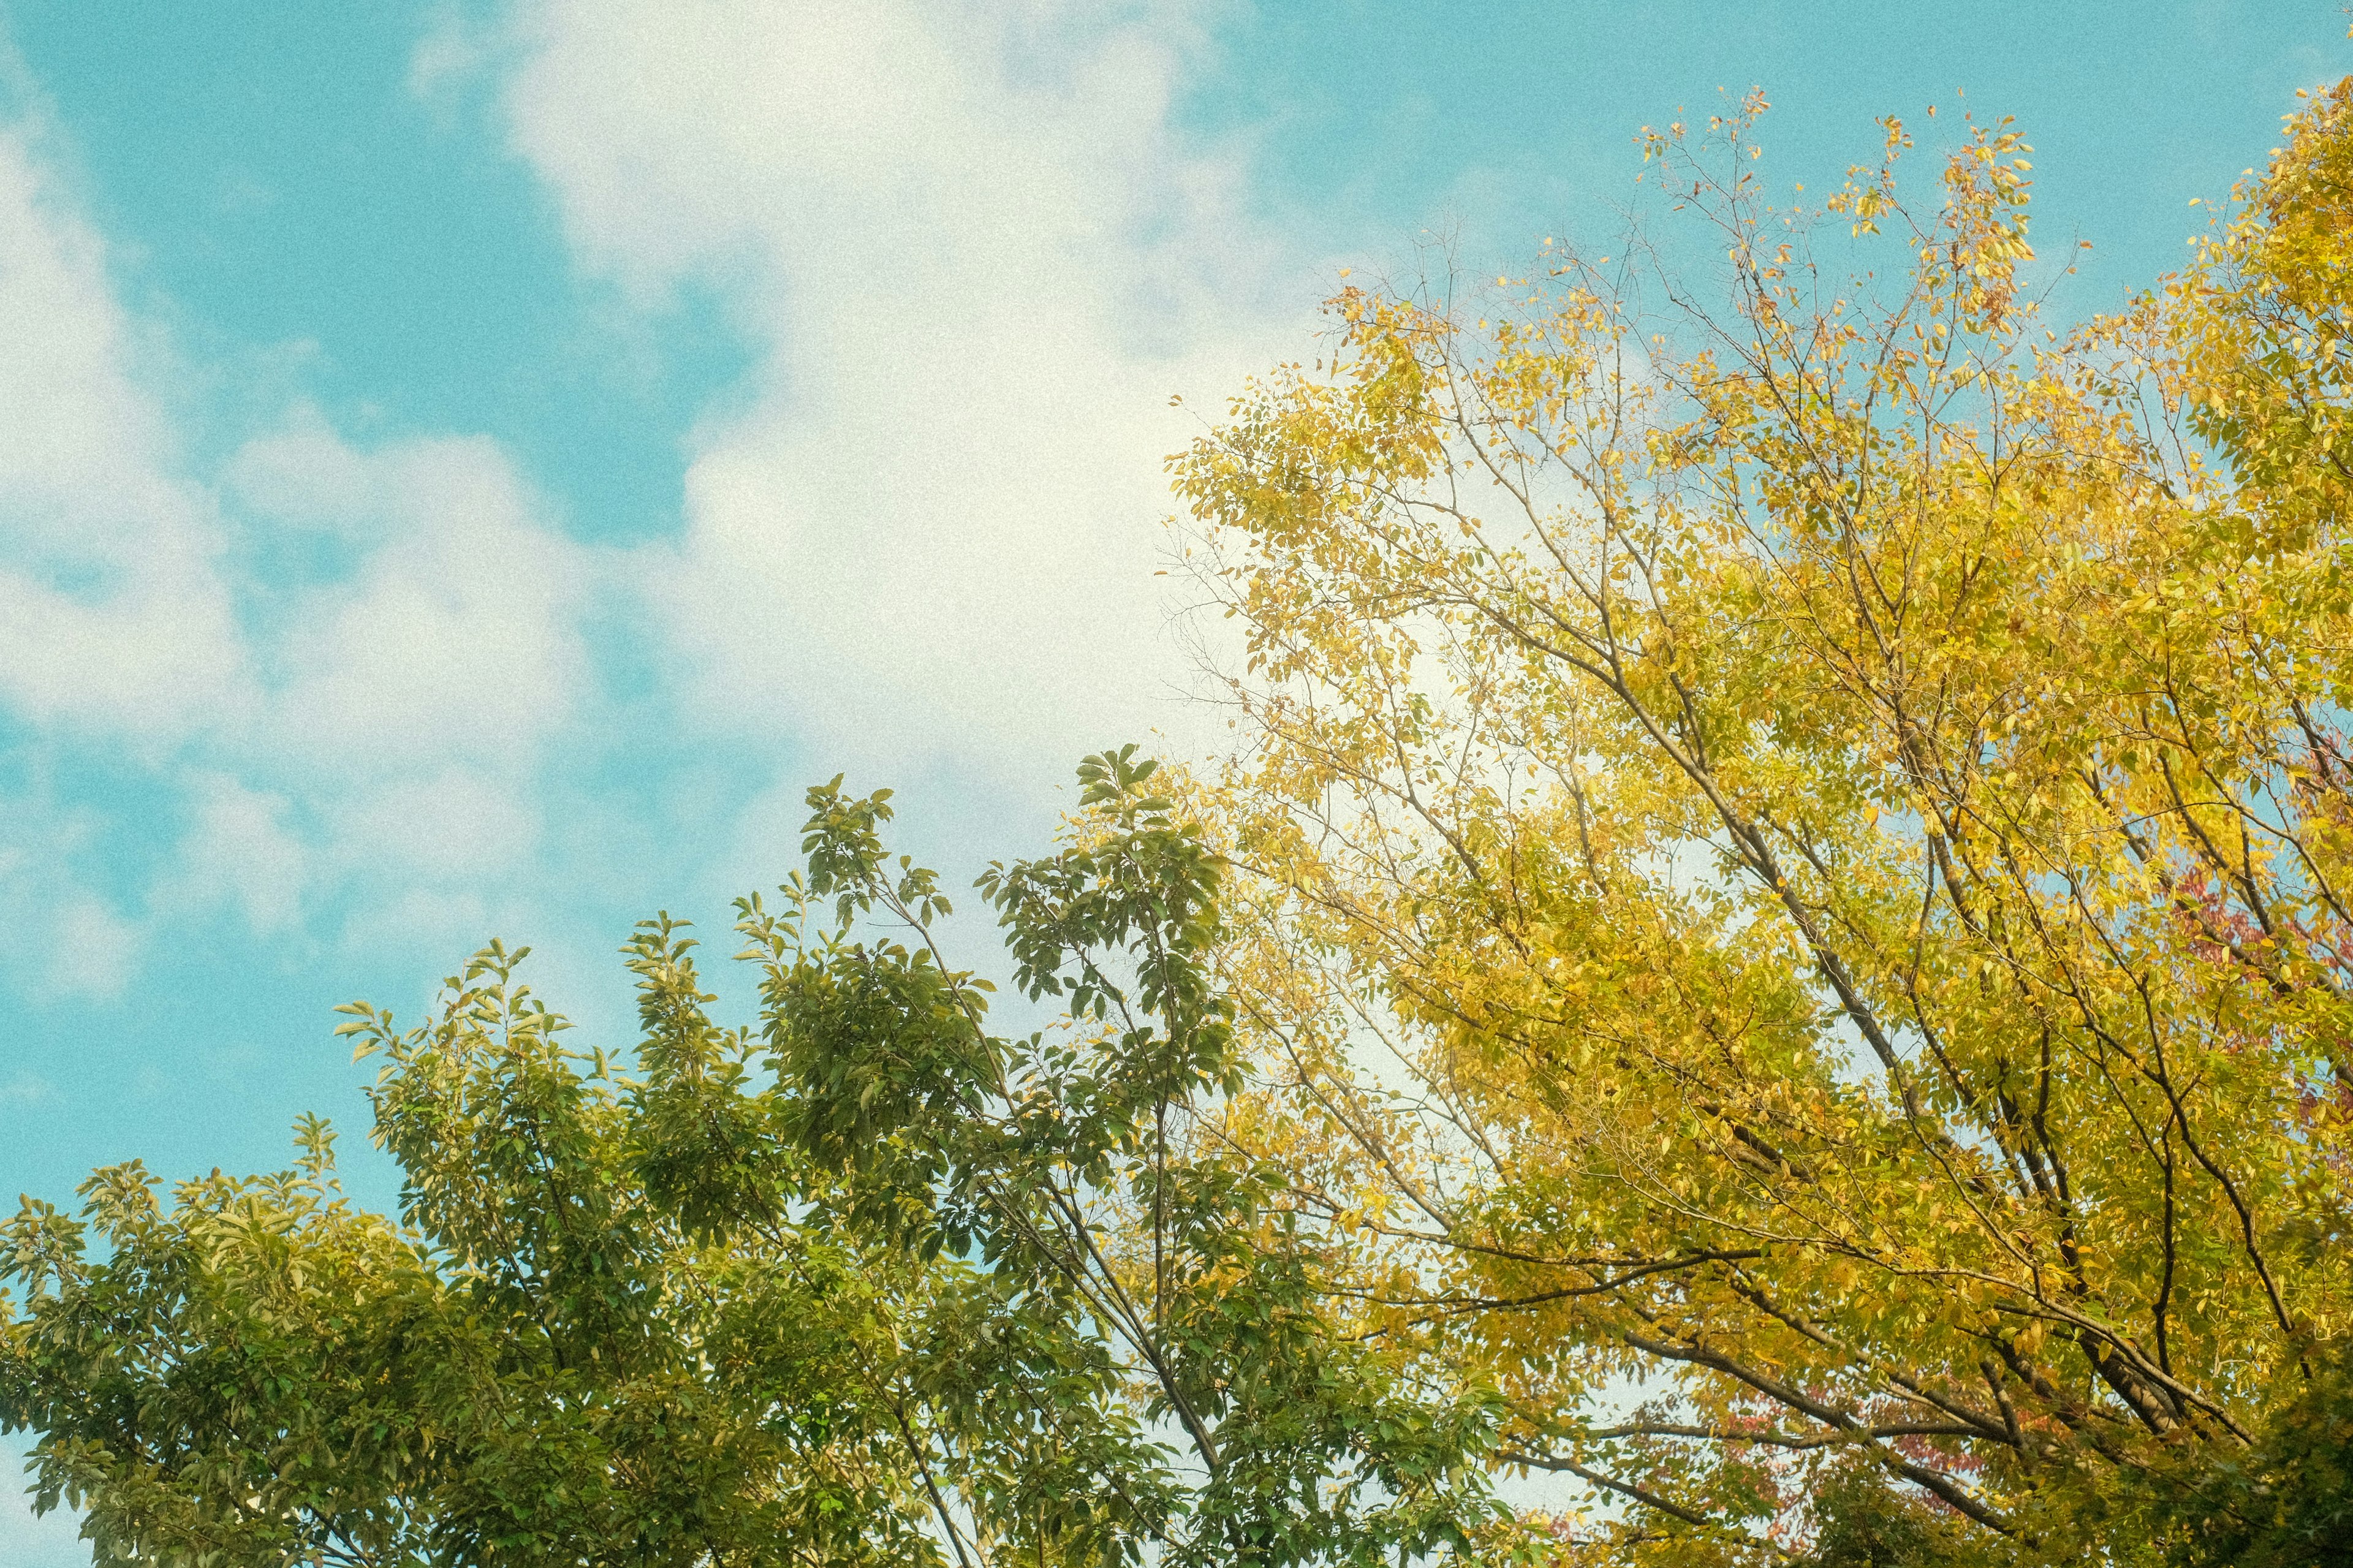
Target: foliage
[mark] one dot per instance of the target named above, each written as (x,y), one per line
(1777,952)
(1799,852)
(1861,1522)
(866,1284)
(2284,1501)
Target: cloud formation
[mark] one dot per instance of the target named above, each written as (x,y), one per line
(113,620)
(353,682)
(977,259)
(323,666)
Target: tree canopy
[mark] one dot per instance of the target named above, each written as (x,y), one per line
(866,1283)
(1799,856)
(1769,981)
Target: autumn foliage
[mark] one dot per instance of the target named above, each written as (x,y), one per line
(1800,848)
(1769,981)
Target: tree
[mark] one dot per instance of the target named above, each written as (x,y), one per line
(865,1284)
(1800,856)
(1779,945)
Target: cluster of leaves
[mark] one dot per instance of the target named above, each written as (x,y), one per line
(1800,861)
(1779,947)
(865,1284)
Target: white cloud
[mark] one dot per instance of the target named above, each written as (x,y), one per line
(334,667)
(409,701)
(241,851)
(91,948)
(974,260)
(979,260)
(67,938)
(305,476)
(111,619)
(455,636)
(24,1090)
(457,826)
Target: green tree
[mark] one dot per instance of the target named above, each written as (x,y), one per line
(865,1283)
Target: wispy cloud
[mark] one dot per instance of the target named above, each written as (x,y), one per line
(321,665)
(354,680)
(23,1090)
(978,260)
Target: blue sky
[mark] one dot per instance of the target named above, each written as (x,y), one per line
(470,465)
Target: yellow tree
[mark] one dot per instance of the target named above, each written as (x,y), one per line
(1801,917)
